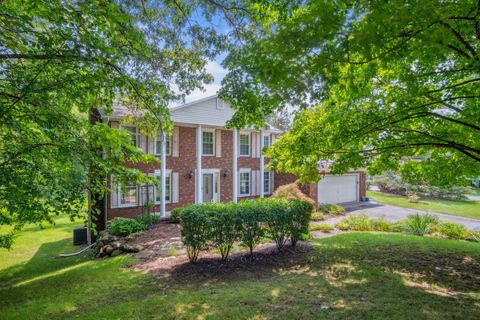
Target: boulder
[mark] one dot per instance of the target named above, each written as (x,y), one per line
(115,252)
(130,248)
(108,250)
(115,244)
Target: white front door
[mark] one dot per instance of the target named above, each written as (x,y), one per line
(338,189)
(211,187)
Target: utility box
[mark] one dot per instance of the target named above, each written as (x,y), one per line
(79,236)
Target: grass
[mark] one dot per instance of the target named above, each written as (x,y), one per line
(348,276)
(464,208)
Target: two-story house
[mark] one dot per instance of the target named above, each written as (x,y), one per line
(202,161)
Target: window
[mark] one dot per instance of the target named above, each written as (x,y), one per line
(128,195)
(207,143)
(244,179)
(266,141)
(133,134)
(158,145)
(244,144)
(266,182)
(168,187)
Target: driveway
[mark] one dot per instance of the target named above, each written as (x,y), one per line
(392,213)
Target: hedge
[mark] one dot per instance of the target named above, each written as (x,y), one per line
(221,225)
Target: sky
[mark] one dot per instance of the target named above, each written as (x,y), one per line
(218,72)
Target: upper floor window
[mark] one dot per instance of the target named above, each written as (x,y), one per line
(133,131)
(244,144)
(266,141)
(208,143)
(158,145)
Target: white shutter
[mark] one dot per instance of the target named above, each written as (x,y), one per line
(274,138)
(175,187)
(151,145)
(259,144)
(218,142)
(272,183)
(143,142)
(253,144)
(253,183)
(114,190)
(259,182)
(175,141)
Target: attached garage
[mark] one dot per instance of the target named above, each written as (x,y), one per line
(338,189)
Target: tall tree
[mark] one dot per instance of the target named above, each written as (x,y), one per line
(61,61)
(383,84)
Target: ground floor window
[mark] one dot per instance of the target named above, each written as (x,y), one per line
(128,195)
(266,182)
(168,187)
(244,179)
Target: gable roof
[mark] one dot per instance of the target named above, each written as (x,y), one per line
(209,111)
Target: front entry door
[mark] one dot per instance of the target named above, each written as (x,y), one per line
(211,187)
(208,187)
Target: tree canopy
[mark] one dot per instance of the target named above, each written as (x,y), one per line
(62,62)
(382,84)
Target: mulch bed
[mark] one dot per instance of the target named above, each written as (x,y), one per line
(155,258)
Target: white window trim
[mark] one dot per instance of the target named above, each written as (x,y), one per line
(249,171)
(169,150)
(213,142)
(119,195)
(240,144)
(157,173)
(269,191)
(137,137)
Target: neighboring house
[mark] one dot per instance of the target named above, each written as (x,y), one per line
(205,162)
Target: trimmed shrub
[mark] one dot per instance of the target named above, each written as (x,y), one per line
(251,214)
(332,209)
(195,229)
(453,230)
(277,219)
(420,224)
(342,226)
(413,198)
(317,216)
(124,226)
(292,191)
(324,227)
(299,217)
(221,225)
(175,215)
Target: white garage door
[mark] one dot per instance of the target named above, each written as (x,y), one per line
(338,189)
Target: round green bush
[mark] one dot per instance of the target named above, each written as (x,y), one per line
(124,226)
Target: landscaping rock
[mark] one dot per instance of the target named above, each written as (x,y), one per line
(130,248)
(109,245)
(115,252)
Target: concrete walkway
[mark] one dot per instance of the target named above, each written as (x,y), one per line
(393,213)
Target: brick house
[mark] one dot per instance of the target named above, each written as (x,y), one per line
(202,161)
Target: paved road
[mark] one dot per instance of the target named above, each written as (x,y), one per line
(392,213)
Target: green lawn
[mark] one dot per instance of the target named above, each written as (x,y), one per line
(464,208)
(348,276)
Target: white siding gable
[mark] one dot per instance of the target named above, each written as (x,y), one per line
(203,112)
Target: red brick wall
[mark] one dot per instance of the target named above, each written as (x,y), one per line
(186,162)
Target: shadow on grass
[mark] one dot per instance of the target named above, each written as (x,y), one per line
(350,276)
